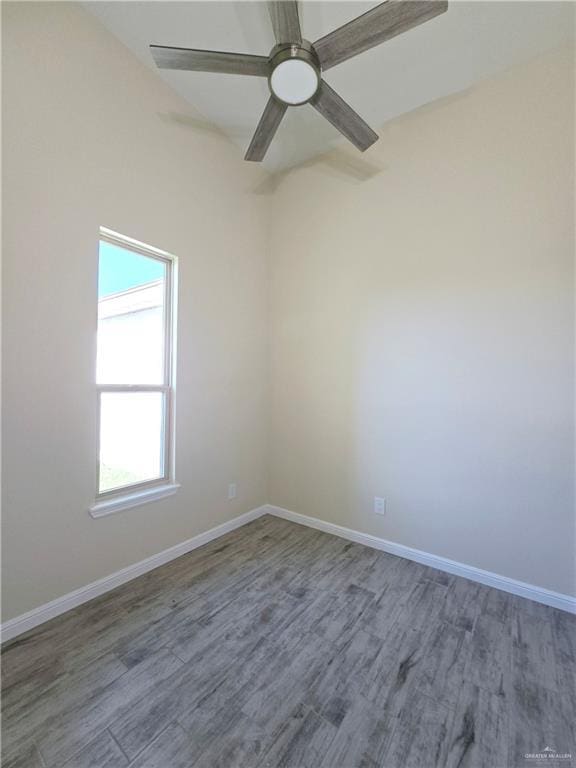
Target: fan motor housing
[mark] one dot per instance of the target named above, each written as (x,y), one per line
(309,72)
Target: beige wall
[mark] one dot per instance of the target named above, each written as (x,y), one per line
(91,137)
(420,304)
(423,330)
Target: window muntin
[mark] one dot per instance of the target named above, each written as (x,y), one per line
(134,366)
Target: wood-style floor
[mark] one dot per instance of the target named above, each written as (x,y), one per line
(278,645)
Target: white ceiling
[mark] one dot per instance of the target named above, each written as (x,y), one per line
(471,41)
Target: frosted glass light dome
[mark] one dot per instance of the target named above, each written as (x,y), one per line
(294,81)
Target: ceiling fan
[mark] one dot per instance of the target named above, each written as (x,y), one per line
(294,67)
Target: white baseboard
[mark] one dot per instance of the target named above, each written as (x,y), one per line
(33,618)
(36,616)
(504,583)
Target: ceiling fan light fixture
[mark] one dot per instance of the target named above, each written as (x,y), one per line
(294,73)
(294,81)
(294,68)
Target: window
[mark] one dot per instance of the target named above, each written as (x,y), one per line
(134,373)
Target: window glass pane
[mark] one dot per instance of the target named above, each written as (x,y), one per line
(131,291)
(131,438)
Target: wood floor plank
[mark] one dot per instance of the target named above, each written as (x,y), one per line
(102,752)
(272,701)
(27,756)
(171,749)
(397,661)
(402,579)
(445,654)
(87,632)
(564,642)
(497,604)
(71,731)
(463,604)
(564,634)
(333,692)
(374,575)
(225,582)
(300,741)
(364,734)
(538,718)
(347,751)
(533,653)
(338,621)
(279,645)
(419,739)
(479,733)
(179,692)
(239,624)
(214,654)
(242,746)
(30,712)
(339,565)
(254,672)
(490,662)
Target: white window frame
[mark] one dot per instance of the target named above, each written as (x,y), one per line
(149,490)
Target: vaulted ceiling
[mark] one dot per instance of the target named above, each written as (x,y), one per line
(444,56)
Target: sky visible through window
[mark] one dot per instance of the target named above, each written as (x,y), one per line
(121,269)
(130,355)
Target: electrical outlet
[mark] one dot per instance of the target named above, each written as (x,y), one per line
(231,491)
(379,505)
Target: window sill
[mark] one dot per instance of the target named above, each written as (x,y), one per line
(135,499)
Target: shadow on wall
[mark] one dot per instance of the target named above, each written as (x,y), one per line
(342,163)
(200,124)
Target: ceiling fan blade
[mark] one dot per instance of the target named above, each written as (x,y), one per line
(343,117)
(285,21)
(374,27)
(196,60)
(267,127)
